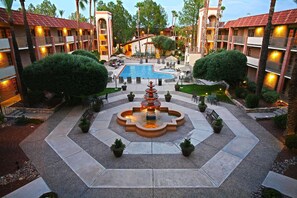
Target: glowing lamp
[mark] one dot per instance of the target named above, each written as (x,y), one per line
(5,82)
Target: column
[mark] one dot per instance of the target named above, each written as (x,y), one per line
(65,45)
(285,64)
(38,55)
(245,45)
(53,44)
(230,35)
(222,42)
(75,46)
(232,43)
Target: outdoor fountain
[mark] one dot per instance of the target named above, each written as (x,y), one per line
(150,119)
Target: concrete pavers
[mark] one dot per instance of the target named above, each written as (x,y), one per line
(92,173)
(282,183)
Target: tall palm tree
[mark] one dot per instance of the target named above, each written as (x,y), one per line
(28,33)
(19,66)
(174,16)
(217,25)
(91,26)
(79,4)
(204,27)
(264,50)
(61,12)
(95,1)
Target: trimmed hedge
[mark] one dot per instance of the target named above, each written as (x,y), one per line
(72,75)
(241,92)
(271,193)
(291,141)
(86,54)
(270,96)
(252,101)
(281,121)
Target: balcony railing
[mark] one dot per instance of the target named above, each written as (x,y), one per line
(22,41)
(4,43)
(85,37)
(255,40)
(238,39)
(69,39)
(273,67)
(252,61)
(213,24)
(7,72)
(103,31)
(294,45)
(278,42)
(59,39)
(44,40)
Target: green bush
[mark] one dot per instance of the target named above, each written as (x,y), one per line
(49,195)
(291,141)
(271,193)
(2,118)
(241,92)
(252,86)
(71,75)
(22,120)
(281,121)
(86,54)
(102,62)
(35,97)
(270,96)
(252,101)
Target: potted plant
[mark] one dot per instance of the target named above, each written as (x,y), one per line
(131,96)
(168,97)
(124,86)
(84,125)
(202,106)
(177,87)
(217,125)
(118,148)
(97,104)
(187,147)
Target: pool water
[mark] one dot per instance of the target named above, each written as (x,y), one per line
(143,71)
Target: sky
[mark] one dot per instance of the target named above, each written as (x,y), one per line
(234,8)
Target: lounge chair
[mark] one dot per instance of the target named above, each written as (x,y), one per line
(129,79)
(121,80)
(138,80)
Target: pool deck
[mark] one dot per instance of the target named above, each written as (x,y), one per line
(75,164)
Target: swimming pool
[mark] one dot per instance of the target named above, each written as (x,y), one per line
(143,71)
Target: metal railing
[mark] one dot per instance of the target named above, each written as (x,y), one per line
(278,42)
(59,39)
(273,67)
(238,39)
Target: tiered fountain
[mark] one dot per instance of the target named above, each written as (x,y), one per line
(150,120)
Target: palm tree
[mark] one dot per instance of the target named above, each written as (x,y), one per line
(61,12)
(174,16)
(217,25)
(19,66)
(28,33)
(204,27)
(264,50)
(91,26)
(95,1)
(79,4)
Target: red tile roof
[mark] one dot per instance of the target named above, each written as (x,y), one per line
(41,20)
(279,18)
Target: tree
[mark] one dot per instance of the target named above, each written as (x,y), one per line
(153,17)
(219,15)
(292,99)
(163,43)
(79,4)
(122,24)
(82,18)
(72,75)
(229,66)
(94,4)
(45,8)
(174,16)
(19,66)
(189,16)
(86,54)
(61,12)
(204,27)
(28,33)
(264,50)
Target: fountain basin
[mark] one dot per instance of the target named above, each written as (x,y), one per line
(150,129)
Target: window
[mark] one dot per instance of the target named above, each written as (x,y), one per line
(251,33)
(69,33)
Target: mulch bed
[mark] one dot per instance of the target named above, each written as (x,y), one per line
(15,168)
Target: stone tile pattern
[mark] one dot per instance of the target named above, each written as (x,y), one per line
(212,174)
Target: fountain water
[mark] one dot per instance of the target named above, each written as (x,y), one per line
(150,120)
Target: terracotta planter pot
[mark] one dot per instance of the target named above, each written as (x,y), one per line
(118,152)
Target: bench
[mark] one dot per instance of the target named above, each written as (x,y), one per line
(212,115)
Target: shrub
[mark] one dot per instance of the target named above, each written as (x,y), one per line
(86,54)
(252,86)
(270,96)
(22,120)
(252,101)
(291,141)
(281,121)
(241,92)
(271,193)
(2,118)
(102,62)
(35,97)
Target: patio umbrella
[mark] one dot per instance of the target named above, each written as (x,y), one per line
(113,58)
(171,59)
(121,55)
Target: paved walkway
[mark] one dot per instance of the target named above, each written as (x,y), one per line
(74,164)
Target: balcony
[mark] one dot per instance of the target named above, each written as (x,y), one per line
(102,31)
(289,71)
(273,67)
(255,40)
(210,37)
(278,42)
(69,39)
(252,61)
(211,25)
(59,39)
(44,40)
(22,42)
(7,72)
(85,37)
(238,39)
(294,45)
(4,44)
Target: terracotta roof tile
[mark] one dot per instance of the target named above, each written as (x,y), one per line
(279,18)
(41,20)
